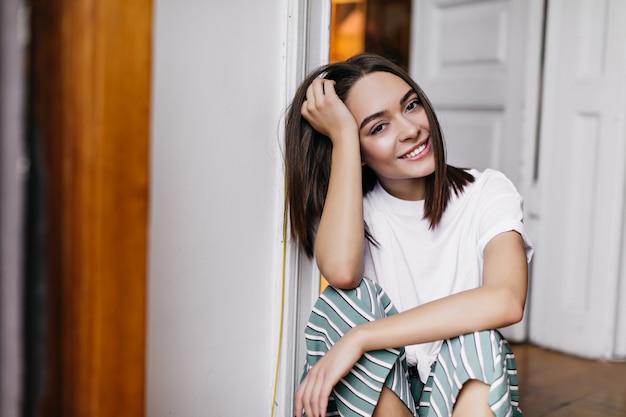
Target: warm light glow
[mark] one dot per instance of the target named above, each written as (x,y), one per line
(347,34)
(323,284)
(380,27)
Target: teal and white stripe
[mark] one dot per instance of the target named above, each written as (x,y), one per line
(485,356)
(336,312)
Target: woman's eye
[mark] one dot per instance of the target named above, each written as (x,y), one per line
(413,104)
(377,129)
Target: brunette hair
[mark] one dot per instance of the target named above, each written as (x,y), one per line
(308,153)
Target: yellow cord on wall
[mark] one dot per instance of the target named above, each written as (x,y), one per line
(282,310)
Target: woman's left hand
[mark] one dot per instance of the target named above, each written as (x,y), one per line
(312,395)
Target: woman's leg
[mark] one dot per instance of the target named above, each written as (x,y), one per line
(472,371)
(389,405)
(358,393)
(473,400)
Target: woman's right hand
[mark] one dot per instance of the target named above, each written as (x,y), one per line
(325,111)
(313,393)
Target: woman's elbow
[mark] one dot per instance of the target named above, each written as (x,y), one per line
(515,314)
(344,282)
(512,308)
(346,278)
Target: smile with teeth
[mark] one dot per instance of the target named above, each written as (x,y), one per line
(415,151)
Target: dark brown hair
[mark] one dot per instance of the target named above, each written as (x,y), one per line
(308,153)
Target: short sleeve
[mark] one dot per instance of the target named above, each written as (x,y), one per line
(500,209)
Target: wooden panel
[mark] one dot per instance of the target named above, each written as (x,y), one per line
(91,100)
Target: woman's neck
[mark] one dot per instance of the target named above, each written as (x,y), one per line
(408,189)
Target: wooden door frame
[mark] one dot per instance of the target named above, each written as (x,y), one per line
(90,69)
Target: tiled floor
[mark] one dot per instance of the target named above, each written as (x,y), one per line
(558,385)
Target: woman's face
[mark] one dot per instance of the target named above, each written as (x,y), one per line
(394,133)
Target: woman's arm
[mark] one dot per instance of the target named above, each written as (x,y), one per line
(340,235)
(497,303)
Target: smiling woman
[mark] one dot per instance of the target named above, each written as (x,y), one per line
(424,260)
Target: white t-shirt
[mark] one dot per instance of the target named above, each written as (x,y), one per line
(415,265)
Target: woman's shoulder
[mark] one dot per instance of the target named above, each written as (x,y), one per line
(486,174)
(491,179)
(490,186)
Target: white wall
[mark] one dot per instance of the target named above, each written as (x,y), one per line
(216,206)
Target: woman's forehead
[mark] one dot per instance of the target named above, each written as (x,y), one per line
(375,92)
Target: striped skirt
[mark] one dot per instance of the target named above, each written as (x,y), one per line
(485,356)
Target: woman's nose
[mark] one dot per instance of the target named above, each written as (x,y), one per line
(408,129)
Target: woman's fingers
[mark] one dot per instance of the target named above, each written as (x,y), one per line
(318,90)
(312,395)
(304,398)
(299,403)
(326,112)
(315,98)
(321,89)
(324,395)
(310,96)
(314,399)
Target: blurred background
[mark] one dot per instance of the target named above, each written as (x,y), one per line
(144,270)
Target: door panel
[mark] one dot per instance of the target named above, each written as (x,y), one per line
(462,42)
(582,179)
(473,130)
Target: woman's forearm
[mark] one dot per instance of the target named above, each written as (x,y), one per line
(473,310)
(340,236)
(497,303)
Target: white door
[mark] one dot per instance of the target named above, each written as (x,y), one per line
(582,181)
(469,56)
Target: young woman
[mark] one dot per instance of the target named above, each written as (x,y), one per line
(394,228)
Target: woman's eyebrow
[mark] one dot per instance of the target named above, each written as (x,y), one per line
(407,95)
(383,112)
(372,117)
